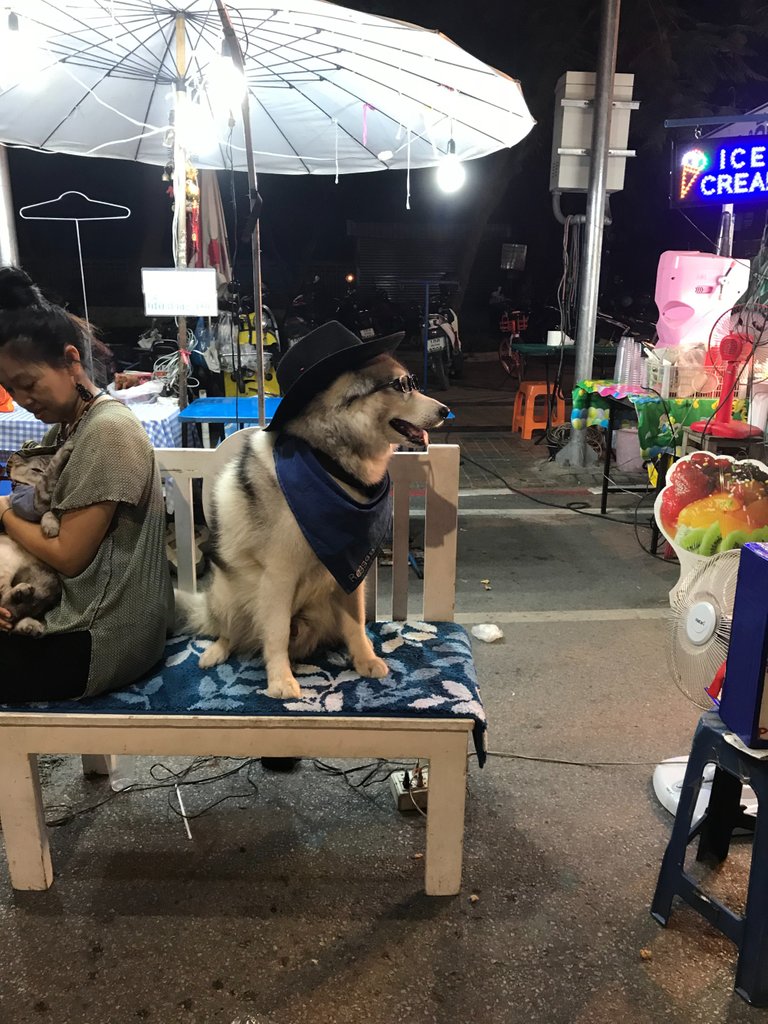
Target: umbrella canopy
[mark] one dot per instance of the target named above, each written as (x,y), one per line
(331,90)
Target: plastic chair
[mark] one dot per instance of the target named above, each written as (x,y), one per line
(733,768)
(524,415)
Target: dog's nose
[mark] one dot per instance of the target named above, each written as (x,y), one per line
(444,412)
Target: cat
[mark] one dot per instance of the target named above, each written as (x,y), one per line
(28,587)
(37,470)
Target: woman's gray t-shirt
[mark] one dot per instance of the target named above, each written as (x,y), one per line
(124,597)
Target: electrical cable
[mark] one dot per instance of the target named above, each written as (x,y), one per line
(181,778)
(579,507)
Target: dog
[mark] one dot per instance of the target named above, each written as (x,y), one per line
(269,590)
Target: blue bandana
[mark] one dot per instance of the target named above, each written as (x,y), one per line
(344,534)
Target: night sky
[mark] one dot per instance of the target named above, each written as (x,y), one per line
(679,72)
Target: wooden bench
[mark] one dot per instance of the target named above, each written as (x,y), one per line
(90,727)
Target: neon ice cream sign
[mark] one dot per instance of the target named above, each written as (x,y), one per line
(720,171)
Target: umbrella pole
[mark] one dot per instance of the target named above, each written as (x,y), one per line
(255,208)
(180,197)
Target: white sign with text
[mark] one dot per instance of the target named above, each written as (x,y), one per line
(184,292)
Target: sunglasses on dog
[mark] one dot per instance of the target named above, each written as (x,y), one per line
(405,384)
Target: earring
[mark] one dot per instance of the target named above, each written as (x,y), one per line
(83,391)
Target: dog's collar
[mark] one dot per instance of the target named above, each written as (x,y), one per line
(337,471)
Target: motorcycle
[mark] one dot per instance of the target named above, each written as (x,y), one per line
(444,346)
(369,313)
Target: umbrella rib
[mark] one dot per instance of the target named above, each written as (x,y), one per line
(90,90)
(97,62)
(281,132)
(154,87)
(486,70)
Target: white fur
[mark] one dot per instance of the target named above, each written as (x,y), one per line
(273,594)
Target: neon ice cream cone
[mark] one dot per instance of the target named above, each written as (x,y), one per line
(693,164)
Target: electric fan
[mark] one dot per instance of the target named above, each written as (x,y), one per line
(732,343)
(700,631)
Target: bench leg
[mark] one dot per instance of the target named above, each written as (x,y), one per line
(24,829)
(98,764)
(445,818)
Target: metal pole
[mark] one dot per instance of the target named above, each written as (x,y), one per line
(725,232)
(576,452)
(9,250)
(255,203)
(180,192)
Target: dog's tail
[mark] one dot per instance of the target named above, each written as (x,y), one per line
(192,614)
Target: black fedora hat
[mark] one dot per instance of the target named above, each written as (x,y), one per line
(316,360)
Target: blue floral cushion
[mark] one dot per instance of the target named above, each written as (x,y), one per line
(432,675)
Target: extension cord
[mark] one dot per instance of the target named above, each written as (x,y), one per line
(406,798)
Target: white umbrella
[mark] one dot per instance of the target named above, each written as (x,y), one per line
(330,88)
(329,91)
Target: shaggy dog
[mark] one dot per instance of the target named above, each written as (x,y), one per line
(269,590)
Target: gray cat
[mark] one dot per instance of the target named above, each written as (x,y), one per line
(28,587)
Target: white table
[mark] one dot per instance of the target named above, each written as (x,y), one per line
(160,420)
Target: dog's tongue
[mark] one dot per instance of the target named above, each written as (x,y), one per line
(414,434)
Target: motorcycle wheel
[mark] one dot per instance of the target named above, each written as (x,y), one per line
(439,374)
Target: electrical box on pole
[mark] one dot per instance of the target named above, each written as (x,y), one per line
(572,135)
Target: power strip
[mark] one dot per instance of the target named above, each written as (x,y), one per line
(406,797)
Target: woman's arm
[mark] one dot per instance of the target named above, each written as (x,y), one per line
(82,531)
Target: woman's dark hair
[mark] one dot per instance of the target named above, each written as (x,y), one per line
(34,329)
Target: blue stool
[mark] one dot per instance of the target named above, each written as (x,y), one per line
(733,768)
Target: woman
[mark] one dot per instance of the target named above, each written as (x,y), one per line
(110,625)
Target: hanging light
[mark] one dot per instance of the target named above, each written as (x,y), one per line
(225,83)
(450,170)
(21,54)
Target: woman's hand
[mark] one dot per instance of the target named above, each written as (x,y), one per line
(5,503)
(5,621)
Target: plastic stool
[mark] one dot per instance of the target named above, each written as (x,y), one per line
(732,769)
(524,416)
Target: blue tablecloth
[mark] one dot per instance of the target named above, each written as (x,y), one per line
(159,419)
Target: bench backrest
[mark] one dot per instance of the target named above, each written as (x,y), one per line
(433,474)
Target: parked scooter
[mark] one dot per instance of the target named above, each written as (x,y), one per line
(444,346)
(369,313)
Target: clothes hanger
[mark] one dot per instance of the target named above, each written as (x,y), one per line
(106,211)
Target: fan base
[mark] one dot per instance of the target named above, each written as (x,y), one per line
(735,429)
(668,781)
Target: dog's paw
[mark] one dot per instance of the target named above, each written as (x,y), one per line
(283,688)
(28,627)
(215,654)
(372,667)
(50,525)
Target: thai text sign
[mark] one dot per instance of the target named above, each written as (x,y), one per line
(718,171)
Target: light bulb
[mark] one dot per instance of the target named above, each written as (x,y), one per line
(22,53)
(225,84)
(385,154)
(450,170)
(194,125)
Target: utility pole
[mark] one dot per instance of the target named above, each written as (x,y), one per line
(576,452)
